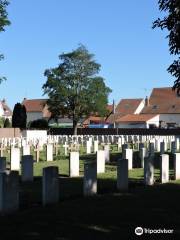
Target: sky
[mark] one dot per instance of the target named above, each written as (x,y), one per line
(133,56)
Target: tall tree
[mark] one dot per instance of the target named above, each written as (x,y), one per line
(3,22)
(19,116)
(171,22)
(74,88)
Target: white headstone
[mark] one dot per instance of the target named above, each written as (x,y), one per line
(100,161)
(128,154)
(164,168)
(74,164)
(177,166)
(15,159)
(49,152)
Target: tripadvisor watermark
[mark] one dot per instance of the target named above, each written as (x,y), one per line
(140,231)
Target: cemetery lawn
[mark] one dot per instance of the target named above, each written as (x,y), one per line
(109,215)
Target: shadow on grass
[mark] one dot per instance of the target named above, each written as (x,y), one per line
(100,217)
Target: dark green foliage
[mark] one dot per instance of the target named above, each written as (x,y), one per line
(7,123)
(19,117)
(39,123)
(3,22)
(74,89)
(171,22)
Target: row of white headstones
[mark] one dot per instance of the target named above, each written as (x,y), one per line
(9,181)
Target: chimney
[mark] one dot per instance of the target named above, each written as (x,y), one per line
(146,101)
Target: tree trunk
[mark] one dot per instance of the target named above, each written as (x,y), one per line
(75,126)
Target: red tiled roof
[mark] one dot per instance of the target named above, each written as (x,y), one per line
(34,105)
(94,120)
(136,118)
(163,100)
(125,106)
(37,105)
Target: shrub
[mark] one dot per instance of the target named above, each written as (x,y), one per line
(39,123)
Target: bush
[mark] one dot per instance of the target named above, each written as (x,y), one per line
(39,123)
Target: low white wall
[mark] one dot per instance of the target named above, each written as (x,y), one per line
(35,134)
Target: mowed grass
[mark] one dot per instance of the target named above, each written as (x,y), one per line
(109,215)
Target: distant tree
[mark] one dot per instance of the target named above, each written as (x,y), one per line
(7,123)
(74,89)
(39,124)
(2,122)
(19,117)
(171,22)
(3,22)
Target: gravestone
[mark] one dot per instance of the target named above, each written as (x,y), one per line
(26,150)
(15,159)
(143,154)
(173,146)
(148,170)
(100,161)
(27,168)
(122,174)
(107,153)
(95,146)
(9,192)
(177,166)
(162,147)
(90,178)
(65,148)
(50,185)
(49,152)
(88,147)
(2,164)
(128,154)
(164,168)
(151,149)
(74,164)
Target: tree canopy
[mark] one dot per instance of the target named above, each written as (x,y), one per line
(74,88)
(171,22)
(3,22)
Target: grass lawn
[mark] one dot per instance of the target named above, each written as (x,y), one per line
(109,215)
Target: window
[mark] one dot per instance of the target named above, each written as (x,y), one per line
(154,107)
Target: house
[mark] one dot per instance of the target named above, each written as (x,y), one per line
(36,109)
(5,111)
(96,120)
(138,121)
(165,103)
(124,107)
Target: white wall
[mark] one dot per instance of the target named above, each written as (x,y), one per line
(126,125)
(35,134)
(140,107)
(31,116)
(154,121)
(170,118)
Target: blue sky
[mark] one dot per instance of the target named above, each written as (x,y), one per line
(133,57)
